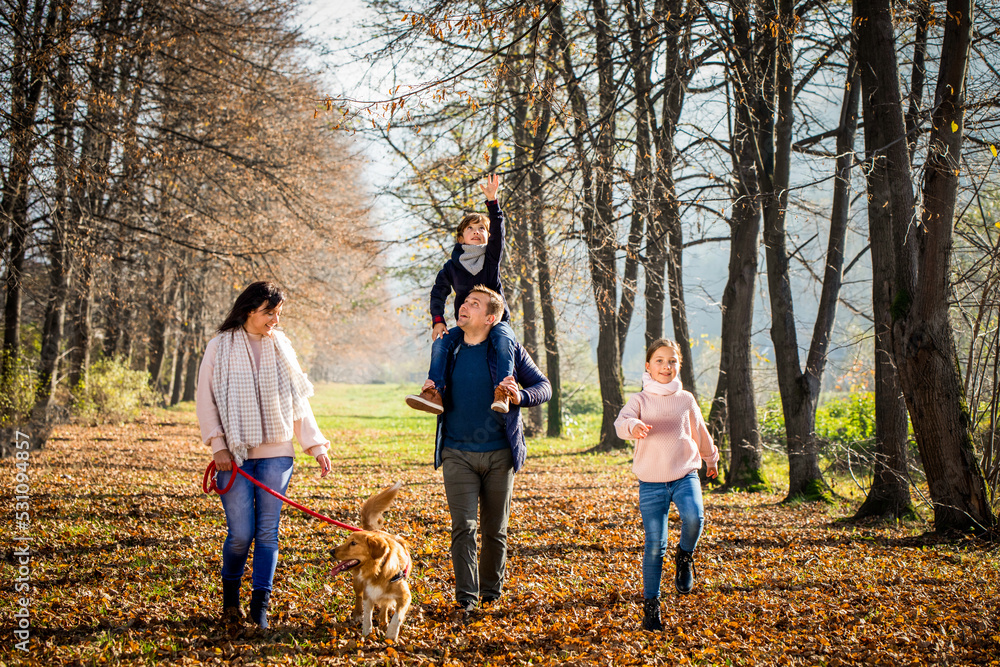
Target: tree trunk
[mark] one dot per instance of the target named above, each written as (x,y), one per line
(60,264)
(82,326)
(554,420)
(799,391)
(918,72)
(180,362)
(31,41)
(923,343)
(536,208)
(922,334)
(191,376)
(746,472)
(598,212)
(599,232)
(521,248)
(889,495)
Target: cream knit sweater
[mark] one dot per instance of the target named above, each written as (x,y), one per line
(677,441)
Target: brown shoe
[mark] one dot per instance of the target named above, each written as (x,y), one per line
(429,400)
(501,400)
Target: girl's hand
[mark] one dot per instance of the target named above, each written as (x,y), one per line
(713,471)
(223,460)
(510,384)
(324,465)
(491,188)
(640,430)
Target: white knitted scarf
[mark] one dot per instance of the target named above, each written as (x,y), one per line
(660,388)
(258,405)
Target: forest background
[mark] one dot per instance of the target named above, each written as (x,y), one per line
(840,158)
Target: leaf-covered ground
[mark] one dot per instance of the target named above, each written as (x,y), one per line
(125,560)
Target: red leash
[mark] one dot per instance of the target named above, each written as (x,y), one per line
(208,485)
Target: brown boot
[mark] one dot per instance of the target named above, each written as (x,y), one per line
(501,400)
(429,400)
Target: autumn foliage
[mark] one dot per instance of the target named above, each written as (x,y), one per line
(126,553)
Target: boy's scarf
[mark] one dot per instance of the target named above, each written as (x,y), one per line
(473,257)
(659,388)
(258,405)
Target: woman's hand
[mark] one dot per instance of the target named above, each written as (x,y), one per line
(324,464)
(640,430)
(713,471)
(223,460)
(510,384)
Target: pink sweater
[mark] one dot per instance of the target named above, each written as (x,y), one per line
(677,439)
(306,430)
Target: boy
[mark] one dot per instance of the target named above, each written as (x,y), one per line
(474,261)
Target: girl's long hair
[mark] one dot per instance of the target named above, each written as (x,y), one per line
(250,300)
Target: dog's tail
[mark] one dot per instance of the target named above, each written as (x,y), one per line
(371,511)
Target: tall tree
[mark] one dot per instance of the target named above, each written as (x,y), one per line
(923,341)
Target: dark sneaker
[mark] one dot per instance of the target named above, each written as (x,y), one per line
(651,615)
(684,579)
(428,400)
(465,610)
(501,400)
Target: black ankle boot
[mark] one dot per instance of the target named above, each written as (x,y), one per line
(651,615)
(684,579)
(231,602)
(260,600)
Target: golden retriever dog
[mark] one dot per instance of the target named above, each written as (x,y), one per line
(380,564)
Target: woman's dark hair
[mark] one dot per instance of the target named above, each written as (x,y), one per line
(250,300)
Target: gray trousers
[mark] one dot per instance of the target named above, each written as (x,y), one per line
(471,480)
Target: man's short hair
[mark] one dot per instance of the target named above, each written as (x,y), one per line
(468,220)
(494,305)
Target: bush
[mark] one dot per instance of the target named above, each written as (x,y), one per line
(113,393)
(17,396)
(843,422)
(847,420)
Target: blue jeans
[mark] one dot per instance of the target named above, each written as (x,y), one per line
(501,337)
(654,504)
(252,515)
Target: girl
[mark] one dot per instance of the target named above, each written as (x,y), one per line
(252,397)
(671,440)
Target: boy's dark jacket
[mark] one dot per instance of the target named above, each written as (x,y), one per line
(454,276)
(536,390)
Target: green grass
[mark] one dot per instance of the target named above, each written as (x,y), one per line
(373,418)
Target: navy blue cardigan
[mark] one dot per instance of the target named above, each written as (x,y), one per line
(536,389)
(454,276)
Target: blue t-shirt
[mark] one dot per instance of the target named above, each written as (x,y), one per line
(469,422)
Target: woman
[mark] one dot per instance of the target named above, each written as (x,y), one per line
(252,397)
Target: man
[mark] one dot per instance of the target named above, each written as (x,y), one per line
(479,449)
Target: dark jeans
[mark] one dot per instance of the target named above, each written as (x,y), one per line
(654,504)
(502,338)
(252,515)
(478,482)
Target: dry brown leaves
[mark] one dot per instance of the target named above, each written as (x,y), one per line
(126,550)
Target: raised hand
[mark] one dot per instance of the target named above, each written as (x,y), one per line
(491,187)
